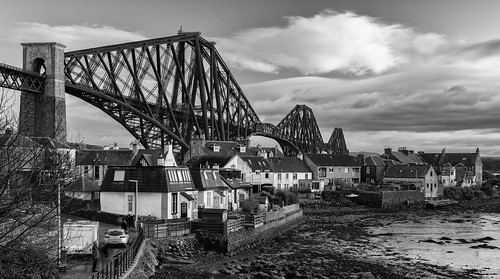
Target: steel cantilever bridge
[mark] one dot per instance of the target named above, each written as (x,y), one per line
(176,89)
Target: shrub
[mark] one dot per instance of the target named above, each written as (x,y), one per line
(287,197)
(249,205)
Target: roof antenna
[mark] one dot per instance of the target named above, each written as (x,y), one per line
(180,30)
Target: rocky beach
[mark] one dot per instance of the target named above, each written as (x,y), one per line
(332,242)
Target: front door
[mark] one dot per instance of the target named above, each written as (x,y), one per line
(184,210)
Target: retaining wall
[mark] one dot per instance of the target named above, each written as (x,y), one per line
(395,198)
(249,238)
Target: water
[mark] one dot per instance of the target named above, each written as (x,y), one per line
(447,241)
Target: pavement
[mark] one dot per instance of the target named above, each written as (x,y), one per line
(80,266)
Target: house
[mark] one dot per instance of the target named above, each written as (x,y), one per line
(372,171)
(156,191)
(239,190)
(255,170)
(82,188)
(214,149)
(290,172)
(93,163)
(212,190)
(333,169)
(467,167)
(266,152)
(403,156)
(422,177)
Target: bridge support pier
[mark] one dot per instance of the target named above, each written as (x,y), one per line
(44,115)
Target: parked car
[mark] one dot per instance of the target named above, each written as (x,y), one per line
(116,236)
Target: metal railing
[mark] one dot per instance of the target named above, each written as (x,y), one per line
(122,261)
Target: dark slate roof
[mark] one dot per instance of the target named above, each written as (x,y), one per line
(18,140)
(436,159)
(259,149)
(149,155)
(333,160)
(406,159)
(82,184)
(406,171)
(287,164)
(374,161)
(205,161)
(227,148)
(257,163)
(236,183)
(151,179)
(51,143)
(104,157)
(204,182)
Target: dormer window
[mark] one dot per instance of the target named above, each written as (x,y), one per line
(241,148)
(216,148)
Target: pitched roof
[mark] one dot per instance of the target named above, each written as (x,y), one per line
(150,179)
(104,157)
(82,184)
(204,179)
(287,164)
(236,183)
(257,163)
(226,148)
(205,161)
(374,161)
(405,159)
(333,160)
(436,159)
(259,149)
(151,156)
(406,171)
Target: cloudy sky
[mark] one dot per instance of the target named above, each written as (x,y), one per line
(420,74)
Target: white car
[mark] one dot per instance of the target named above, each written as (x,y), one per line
(116,236)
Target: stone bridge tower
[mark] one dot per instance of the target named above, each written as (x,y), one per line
(44,115)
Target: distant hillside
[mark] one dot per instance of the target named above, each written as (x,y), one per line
(491,163)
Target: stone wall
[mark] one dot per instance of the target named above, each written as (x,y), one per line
(146,262)
(396,198)
(249,238)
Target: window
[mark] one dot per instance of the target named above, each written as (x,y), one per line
(209,199)
(294,176)
(205,174)
(130,203)
(356,170)
(213,174)
(96,172)
(307,176)
(330,170)
(367,170)
(322,172)
(174,203)
(119,175)
(286,176)
(266,175)
(179,175)
(346,170)
(431,173)
(279,176)
(85,169)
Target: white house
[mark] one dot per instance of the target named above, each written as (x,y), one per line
(157,191)
(255,170)
(82,188)
(422,176)
(290,172)
(212,190)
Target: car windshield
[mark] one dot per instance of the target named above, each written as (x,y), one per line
(115,233)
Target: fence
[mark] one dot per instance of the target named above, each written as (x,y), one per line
(121,261)
(167,229)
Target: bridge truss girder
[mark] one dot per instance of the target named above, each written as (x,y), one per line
(18,79)
(180,82)
(300,128)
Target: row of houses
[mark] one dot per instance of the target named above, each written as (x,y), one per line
(221,174)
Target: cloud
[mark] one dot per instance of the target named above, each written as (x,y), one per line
(328,42)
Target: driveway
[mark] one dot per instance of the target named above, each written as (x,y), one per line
(80,266)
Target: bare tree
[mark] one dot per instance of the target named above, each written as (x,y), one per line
(31,174)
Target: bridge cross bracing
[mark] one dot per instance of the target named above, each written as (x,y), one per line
(176,89)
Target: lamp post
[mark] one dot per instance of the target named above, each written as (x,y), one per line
(136,200)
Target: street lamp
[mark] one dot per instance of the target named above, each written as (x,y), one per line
(136,200)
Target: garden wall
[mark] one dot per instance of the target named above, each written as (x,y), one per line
(395,198)
(249,238)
